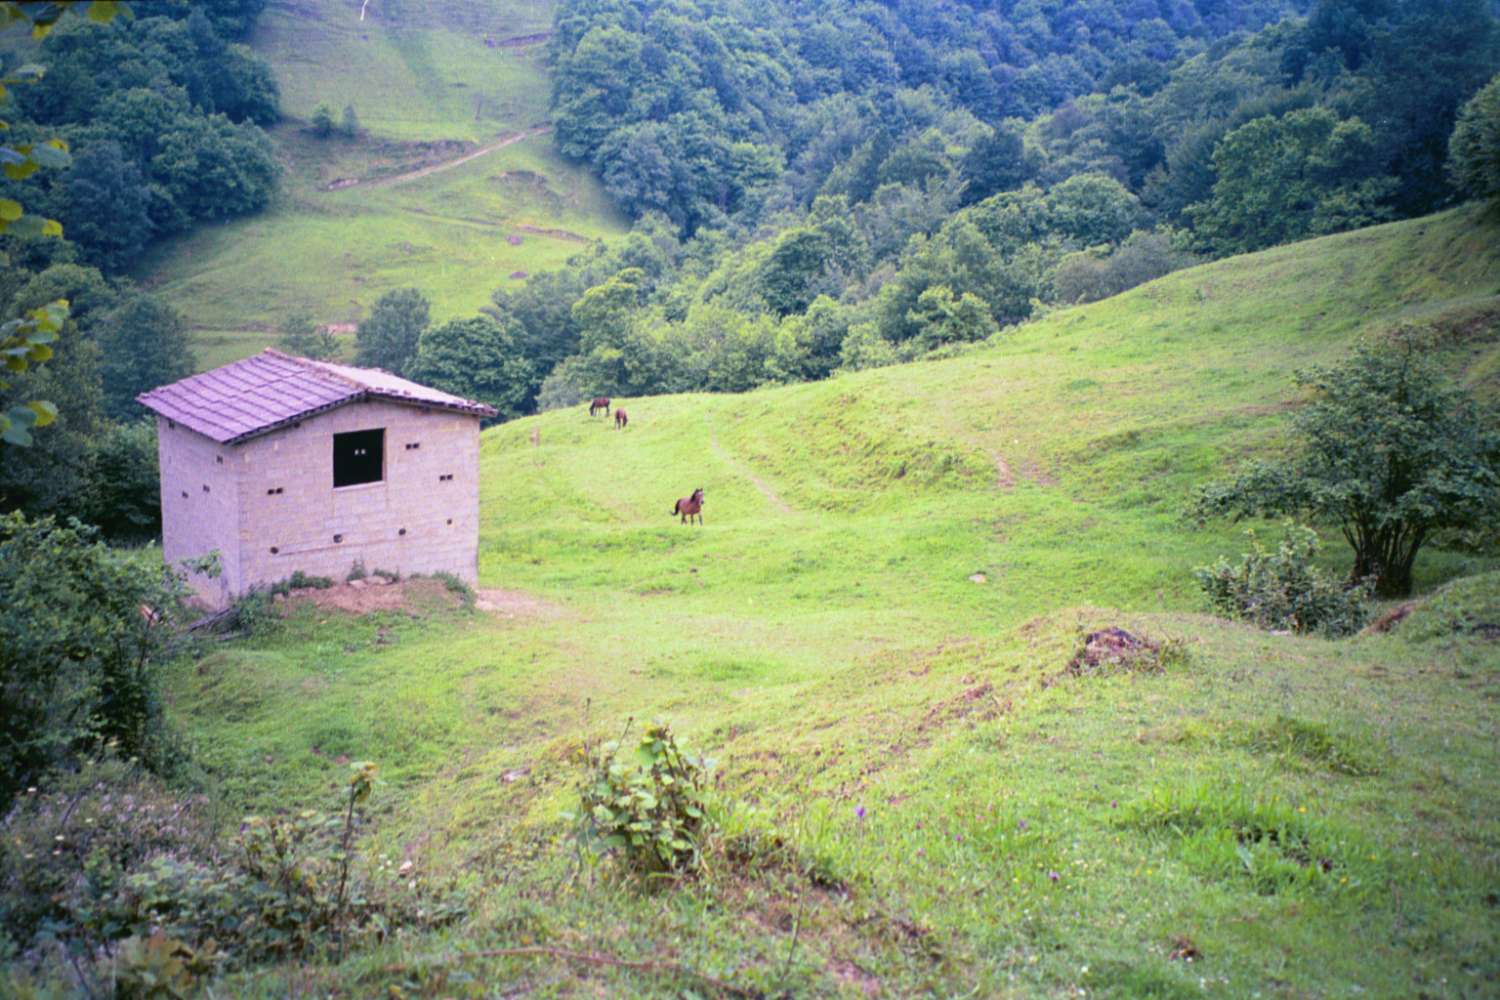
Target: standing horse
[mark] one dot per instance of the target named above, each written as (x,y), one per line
(599,403)
(687,507)
(621,419)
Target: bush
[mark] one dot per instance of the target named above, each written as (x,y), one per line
(1282,590)
(83,631)
(653,815)
(109,870)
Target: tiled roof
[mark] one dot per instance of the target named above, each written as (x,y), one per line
(260,393)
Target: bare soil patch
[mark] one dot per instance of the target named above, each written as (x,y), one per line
(515,604)
(372,594)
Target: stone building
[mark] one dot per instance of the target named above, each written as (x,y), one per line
(282,464)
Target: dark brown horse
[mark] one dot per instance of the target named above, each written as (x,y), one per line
(621,419)
(599,403)
(689,507)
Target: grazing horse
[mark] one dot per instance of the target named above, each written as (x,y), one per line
(687,507)
(621,419)
(599,403)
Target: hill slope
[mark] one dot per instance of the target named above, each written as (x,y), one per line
(893,573)
(452,187)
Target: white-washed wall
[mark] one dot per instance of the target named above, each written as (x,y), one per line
(199,505)
(413,521)
(423,517)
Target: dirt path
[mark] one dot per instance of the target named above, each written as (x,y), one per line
(433,168)
(744,470)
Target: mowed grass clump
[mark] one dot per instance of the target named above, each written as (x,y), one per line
(925,800)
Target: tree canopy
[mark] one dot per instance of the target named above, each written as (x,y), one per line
(1389,451)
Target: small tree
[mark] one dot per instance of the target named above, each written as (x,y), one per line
(388,339)
(145,344)
(301,337)
(349,123)
(476,358)
(1388,449)
(322,121)
(83,632)
(1474,153)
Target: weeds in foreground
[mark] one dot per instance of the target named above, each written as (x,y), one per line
(651,811)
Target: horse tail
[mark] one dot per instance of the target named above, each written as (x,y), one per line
(676,507)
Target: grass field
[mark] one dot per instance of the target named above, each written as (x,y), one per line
(352,221)
(870,633)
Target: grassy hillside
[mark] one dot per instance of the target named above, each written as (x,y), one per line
(408,203)
(877,616)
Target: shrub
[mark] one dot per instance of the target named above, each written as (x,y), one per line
(83,631)
(109,870)
(653,814)
(1283,590)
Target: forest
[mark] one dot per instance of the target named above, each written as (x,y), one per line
(806,204)
(161,112)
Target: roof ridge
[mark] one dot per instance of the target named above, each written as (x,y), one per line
(317,368)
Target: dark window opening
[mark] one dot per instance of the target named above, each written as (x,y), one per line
(358,457)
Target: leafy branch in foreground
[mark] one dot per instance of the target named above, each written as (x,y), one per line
(27,340)
(1388,449)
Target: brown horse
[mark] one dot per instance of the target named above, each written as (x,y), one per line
(599,403)
(688,507)
(621,419)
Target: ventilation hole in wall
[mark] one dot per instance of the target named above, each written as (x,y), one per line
(184,494)
(413,446)
(337,539)
(402,532)
(274,550)
(444,479)
(171,425)
(205,488)
(219,459)
(450,520)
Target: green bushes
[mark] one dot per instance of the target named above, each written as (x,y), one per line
(107,874)
(652,815)
(83,631)
(1282,590)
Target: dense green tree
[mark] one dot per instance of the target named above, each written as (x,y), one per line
(1474,152)
(1091,209)
(1303,174)
(81,647)
(105,206)
(1096,273)
(145,344)
(388,338)
(349,123)
(945,318)
(322,121)
(478,359)
(124,498)
(997,162)
(304,338)
(1388,449)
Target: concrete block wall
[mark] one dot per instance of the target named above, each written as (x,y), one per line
(199,505)
(422,517)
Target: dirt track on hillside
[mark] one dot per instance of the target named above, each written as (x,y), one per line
(345,184)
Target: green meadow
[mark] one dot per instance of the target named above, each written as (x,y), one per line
(870,634)
(358,217)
